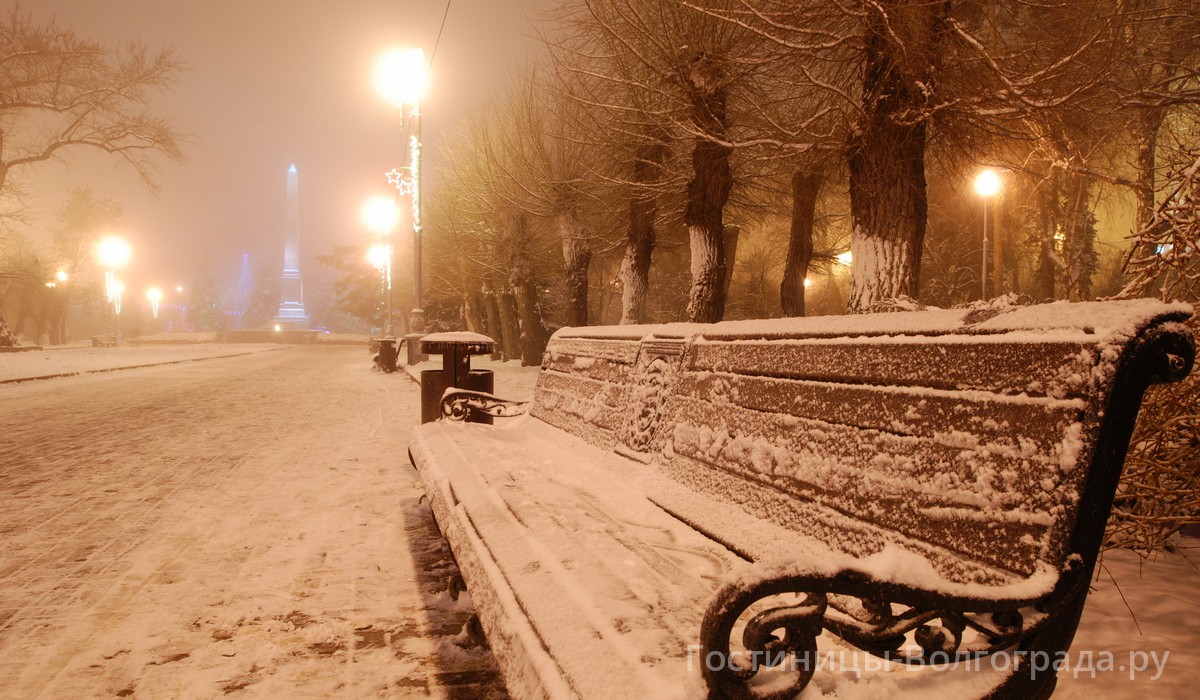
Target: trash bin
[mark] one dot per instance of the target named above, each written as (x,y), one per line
(456,350)
(387,354)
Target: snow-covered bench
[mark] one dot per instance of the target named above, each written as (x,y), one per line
(685,501)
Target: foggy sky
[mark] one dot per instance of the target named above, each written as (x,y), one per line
(272,83)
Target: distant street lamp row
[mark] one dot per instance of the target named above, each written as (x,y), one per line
(113,253)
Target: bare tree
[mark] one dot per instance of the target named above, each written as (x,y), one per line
(60,93)
(1159,75)
(1160,487)
(907,76)
(659,74)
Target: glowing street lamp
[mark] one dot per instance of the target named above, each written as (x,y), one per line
(380,215)
(155,295)
(987,184)
(400,78)
(112,252)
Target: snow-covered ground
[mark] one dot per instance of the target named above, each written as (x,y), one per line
(250,526)
(80,359)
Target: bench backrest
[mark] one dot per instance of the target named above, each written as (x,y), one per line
(990,442)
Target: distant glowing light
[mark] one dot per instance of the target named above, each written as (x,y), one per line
(807,283)
(987,183)
(179,289)
(379,213)
(155,295)
(400,76)
(278,327)
(845,258)
(377,255)
(61,275)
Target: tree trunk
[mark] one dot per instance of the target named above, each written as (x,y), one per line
(888,201)
(805,188)
(639,240)
(577,256)
(1146,135)
(708,190)
(510,325)
(730,242)
(1079,246)
(64,308)
(1048,221)
(521,279)
(470,312)
(491,306)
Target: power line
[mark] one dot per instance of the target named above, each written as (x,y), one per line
(439,36)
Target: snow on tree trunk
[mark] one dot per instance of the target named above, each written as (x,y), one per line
(805,187)
(639,239)
(470,312)
(707,190)
(577,256)
(888,201)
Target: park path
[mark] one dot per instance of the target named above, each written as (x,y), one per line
(242,527)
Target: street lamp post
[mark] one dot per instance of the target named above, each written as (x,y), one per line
(380,215)
(113,253)
(155,295)
(987,184)
(118,288)
(400,77)
(380,257)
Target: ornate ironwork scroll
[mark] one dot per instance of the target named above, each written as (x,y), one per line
(458,405)
(872,615)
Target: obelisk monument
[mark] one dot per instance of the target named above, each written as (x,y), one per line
(291,289)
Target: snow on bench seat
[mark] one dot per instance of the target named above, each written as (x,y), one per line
(569,554)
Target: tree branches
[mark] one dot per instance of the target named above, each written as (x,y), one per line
(60,93)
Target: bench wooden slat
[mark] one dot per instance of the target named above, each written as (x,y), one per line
(581,405)
(987,419)
(1055,368)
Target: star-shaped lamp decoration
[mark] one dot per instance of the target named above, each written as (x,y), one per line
(400,180)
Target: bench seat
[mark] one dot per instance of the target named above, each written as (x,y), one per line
(566,551)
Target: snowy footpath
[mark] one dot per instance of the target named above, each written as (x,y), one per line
(250,527)
(243,526)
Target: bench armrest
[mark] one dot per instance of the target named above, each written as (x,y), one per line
(458,404)
(871,614)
